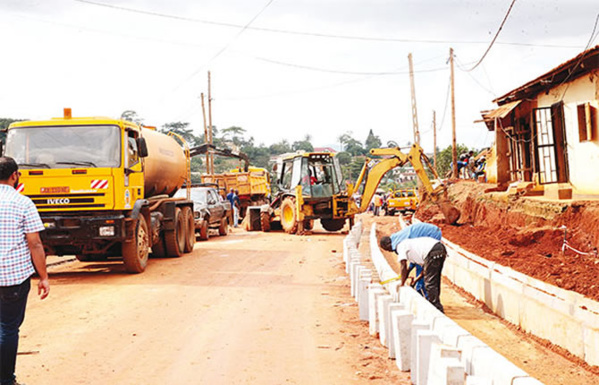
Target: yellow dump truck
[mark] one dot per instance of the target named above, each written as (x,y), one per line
(253,185)
(104,187)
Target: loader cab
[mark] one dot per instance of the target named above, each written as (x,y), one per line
(318,174)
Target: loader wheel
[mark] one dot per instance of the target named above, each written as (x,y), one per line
(223,229)
(174,240)
(332,224)
(204,230)
(289,216)
(190,231)
(136,251)
(265,221)
(308,224)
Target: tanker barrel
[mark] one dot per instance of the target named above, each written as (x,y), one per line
(165,167)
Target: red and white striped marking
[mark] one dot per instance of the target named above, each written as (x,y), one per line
(20,187)
(99,184)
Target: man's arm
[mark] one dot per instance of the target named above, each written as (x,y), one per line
(38,257)
(403,268)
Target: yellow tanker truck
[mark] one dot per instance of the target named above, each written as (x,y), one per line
(104,187)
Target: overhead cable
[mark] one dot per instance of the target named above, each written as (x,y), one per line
(312,34)
(494,38)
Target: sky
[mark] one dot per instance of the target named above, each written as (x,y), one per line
(284,69)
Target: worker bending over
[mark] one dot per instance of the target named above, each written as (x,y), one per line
(423,250)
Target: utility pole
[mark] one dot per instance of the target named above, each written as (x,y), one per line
(454,152)
(435,138)
(210,126)
(414,109)
(205,135)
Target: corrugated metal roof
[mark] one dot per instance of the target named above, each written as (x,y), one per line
(568,71)
(498,113)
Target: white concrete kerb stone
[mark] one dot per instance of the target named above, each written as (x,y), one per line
(424,340)
(393,330)
(373,321)
(383,302)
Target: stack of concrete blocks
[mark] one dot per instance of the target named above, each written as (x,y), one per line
(421,339)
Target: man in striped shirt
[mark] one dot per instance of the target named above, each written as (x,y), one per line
(21,255)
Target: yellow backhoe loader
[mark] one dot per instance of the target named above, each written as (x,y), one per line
(311,187)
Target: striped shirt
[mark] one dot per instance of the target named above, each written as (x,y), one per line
(18,216)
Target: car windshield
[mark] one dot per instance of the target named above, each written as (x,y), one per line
(65,146)
(198,195)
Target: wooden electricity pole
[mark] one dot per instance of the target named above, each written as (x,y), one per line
(210,125)
(454,152)
(205,135)
(435,139)
(414,109)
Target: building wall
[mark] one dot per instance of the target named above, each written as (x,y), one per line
(583,176)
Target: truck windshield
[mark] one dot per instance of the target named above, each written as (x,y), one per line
(65,146)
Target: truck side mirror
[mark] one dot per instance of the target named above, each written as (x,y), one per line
(142,147)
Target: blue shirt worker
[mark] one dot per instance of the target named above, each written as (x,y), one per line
(21,255)
(234,199)
(428,269)
(415,231)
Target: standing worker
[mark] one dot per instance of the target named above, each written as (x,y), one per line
(416,230)
(235,208)
(425,251)
(237,205)
(21,255)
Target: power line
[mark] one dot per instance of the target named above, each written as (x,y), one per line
(312,34)
(495,38)
(319,69)
(246,26)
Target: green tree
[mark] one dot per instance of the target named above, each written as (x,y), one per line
(180,128)
(280,148)
(131,116)
(444,158)
(235,134)
(372,141)
(351,145)
(303,145)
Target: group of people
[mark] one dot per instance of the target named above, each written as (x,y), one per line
(470,166)
(21,255)
(420,246)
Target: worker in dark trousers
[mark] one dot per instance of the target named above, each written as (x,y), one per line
(417,230)
(428,252)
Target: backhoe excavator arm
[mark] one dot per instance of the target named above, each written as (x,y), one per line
(395,158)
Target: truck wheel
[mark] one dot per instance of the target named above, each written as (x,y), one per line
(265,221)
(223,229)
(289,216)
(135,252)
(174,240)
(332,224)
(204,230)
(190,231)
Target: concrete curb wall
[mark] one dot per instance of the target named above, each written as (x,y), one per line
(433,347)
(563,317)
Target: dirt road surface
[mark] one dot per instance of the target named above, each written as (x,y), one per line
(248,308)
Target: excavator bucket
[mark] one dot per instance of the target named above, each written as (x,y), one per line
(450,212)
